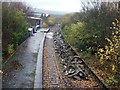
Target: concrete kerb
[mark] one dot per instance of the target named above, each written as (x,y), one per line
(38,72)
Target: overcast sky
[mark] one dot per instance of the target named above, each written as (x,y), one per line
(56,5)
(59,5)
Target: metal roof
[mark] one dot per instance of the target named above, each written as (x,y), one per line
(36,18)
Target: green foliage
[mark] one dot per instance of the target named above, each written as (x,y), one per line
(14,26)
(44,25)
(10,48)
(111,80)
(51,21)
(96,28)
(71,33)
(81,37)
(96,32)
(112,49)
(66,20)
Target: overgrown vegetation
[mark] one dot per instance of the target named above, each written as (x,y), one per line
(96,32)
(51,21)
(14,25)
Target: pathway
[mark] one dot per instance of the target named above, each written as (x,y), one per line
(23,74)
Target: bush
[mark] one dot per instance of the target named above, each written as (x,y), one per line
(111,52)
(44,25)
(96,28)
(14,26)
(10,48)
(111,80)
(96,33)
(78,36)
(51,21)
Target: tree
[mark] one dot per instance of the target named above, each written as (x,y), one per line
(111,52)
(14,26)
(51,21)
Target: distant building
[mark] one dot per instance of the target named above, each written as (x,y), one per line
(33,21)
(45,17)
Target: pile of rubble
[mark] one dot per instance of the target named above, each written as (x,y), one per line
(72,64)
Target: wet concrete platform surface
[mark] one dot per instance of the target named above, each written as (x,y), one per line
(26,55)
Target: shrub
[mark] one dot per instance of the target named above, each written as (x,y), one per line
(14,26)
(111,51)
(51,21)
(10,48)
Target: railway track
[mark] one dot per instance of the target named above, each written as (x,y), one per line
(72,65)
